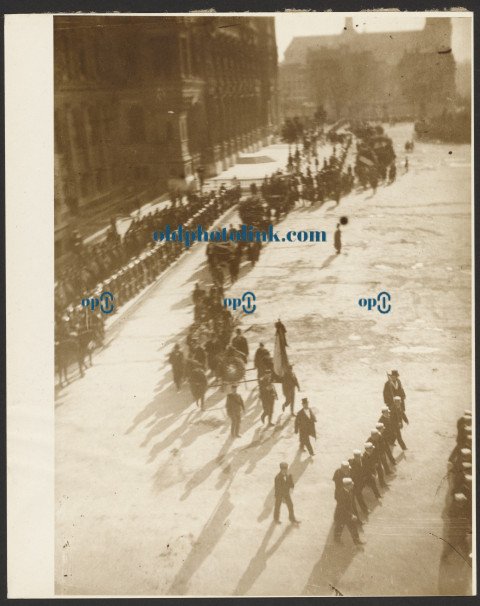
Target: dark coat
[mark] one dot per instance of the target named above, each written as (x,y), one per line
(240,343)
(305,425)
(356,472)
(234,405)
(346,507)
(268,393)
(338,479)
(289,382)
(198,383)
(389,392)
(260,354)
(369,463)
(283,485)
(176,360)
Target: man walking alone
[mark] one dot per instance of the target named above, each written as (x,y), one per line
(305,426)
(283,486)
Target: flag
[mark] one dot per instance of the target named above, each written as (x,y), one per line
(280,358)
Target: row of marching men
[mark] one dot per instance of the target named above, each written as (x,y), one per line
(459,498)
(364,469)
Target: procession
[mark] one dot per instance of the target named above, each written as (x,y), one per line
(297,444)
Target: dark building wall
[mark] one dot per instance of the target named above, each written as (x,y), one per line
(143,100)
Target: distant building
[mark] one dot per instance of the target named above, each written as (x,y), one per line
(140,101)
(378,75)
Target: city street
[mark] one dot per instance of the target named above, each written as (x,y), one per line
(154,498)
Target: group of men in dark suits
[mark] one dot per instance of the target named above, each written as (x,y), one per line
(459,506)
(376,462)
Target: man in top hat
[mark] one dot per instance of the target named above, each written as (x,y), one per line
(282,486)
(345,513)
(289,382)
(305,426)
(369,466)
(235,406)
(393,388)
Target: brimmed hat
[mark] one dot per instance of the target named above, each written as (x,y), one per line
(374,432)
(345,464)
(459,497)
(467,413)
(466,452)
(385,409)
(357,453)
(304,400)
(283,465)
(368,445)
(393,373)
(380,426)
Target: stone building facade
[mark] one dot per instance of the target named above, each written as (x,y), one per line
(378,75)
(141,102)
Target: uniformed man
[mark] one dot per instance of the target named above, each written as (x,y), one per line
(235,406)
(357,475)
(240,343)
(282,486)
(369,466)
(376,439)
(342,472)
(396,419)
(380,427)
(289,383)
(346,513)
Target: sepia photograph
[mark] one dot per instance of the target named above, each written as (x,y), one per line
(262,230)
